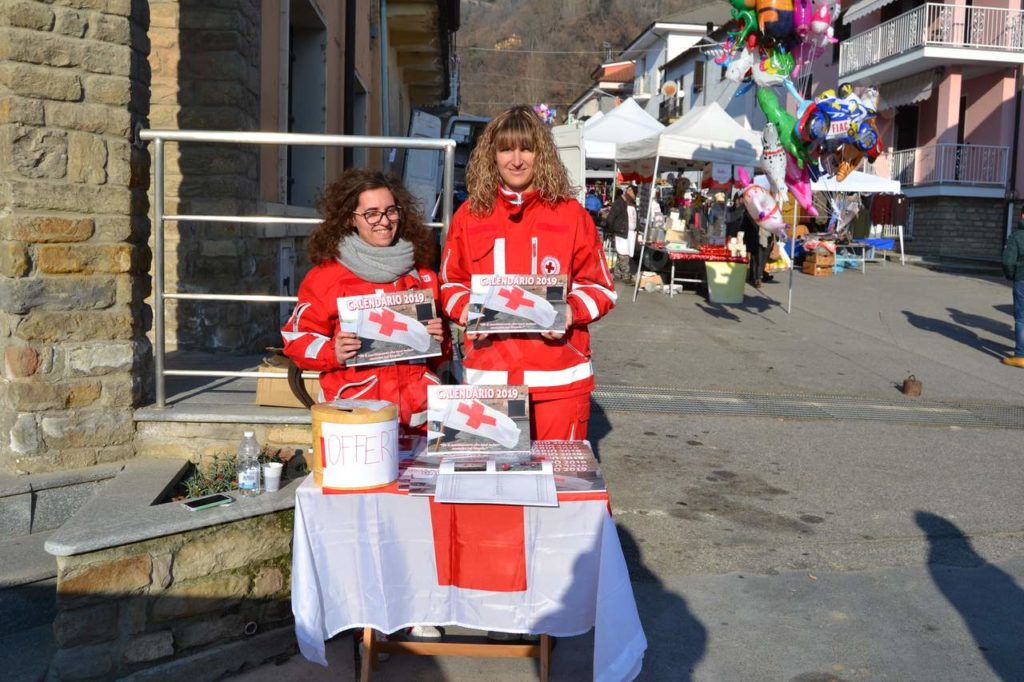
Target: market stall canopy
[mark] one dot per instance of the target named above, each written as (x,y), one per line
(591,120)
(857,181)
(705,133)
(625,123)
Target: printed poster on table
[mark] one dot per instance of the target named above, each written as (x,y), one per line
(392,326)
(478,419)
(517,304)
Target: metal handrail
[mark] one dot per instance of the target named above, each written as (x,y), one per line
(159,137)
(939,24)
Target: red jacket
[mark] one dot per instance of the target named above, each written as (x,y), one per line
(530,238)
(309,342)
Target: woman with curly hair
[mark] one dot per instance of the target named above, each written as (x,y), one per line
(522,217)
(372,240)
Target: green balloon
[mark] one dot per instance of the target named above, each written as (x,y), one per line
(785,122)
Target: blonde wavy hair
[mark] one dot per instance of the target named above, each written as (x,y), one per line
(515,128)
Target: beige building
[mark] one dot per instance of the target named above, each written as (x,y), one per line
(78,80)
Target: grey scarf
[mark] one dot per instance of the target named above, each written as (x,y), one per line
(376,263)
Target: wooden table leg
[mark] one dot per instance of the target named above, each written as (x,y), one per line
(545,657)
(369,655)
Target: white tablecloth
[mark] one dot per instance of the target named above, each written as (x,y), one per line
(368,560)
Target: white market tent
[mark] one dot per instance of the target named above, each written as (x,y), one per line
(857,181)
(862,183)
(705,134)
(625,123)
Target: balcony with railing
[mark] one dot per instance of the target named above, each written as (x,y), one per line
(932,35)
(964,169)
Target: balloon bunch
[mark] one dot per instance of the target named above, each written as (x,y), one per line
(546,115)
(771,45)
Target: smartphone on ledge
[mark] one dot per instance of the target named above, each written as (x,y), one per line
(207,502)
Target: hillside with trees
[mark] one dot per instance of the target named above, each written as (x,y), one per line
(534,51)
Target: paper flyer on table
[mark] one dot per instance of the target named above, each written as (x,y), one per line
(517,304)
(488,482)
(392,326)
(478,419)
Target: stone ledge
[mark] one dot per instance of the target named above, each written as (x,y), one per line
(17,485)
(123,512)
(223,414)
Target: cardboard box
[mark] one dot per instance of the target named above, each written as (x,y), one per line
(650,279)
(815,270)
(276,392)
(821,258)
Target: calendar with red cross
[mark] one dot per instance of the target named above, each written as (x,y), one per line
(517,304)
(391,326)
(478,419)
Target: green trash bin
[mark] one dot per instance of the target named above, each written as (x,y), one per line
(726,282)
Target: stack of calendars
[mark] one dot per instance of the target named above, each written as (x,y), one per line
(573,467)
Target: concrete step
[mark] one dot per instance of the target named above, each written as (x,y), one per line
(23,561)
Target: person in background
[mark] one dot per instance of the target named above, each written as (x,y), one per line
(593,204)
(759,242)
(1013,268)
(622,224)
(522,217)
(372,240)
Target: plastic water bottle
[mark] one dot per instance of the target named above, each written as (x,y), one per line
(249,465)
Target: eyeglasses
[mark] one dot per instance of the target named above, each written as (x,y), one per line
(374,216)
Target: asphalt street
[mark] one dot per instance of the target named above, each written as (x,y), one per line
(805,549)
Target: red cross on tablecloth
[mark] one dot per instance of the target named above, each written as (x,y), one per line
(388,324)
(475,415)
(516,297)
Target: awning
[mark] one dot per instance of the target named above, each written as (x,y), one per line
(862,9)
(907,90)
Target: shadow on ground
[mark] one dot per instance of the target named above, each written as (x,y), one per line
(676,639)
(989,601)
(752,305)
(982,323)
(598,428)
(960,333)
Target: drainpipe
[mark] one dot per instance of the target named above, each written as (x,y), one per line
(1013,157)
(385,55)
(350,78)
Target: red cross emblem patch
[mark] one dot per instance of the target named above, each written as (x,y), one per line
(550,266)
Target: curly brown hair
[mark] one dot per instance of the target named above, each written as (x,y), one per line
(340,200)
(515,128)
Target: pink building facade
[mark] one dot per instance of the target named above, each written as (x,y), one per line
(949,77)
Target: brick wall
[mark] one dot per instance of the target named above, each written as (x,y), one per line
(958,227)
(73,224)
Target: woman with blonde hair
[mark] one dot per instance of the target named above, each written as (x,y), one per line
(522,217)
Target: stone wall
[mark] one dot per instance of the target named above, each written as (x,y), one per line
(74,89)
(958,227)
(154,603)
(205,62)
(194,440)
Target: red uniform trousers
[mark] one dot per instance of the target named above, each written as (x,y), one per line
(560,419)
